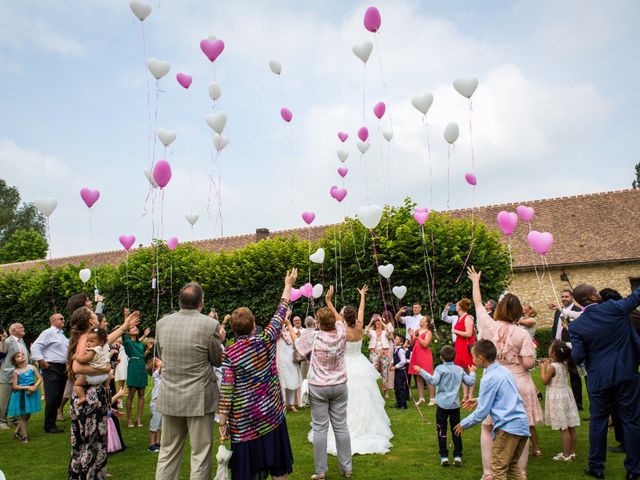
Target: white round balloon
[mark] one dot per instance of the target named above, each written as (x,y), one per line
(85,275)
(363,147)
(387,135)
(220,141)
(363,50)
(275,67)
(214,91)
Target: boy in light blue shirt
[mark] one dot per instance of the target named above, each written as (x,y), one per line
(500,399)
(447,378)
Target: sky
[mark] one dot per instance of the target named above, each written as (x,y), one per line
(555,112)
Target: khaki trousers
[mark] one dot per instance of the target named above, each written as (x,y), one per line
(174,436)
(5,395)
(505,452)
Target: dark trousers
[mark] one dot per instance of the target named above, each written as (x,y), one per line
(622,397)
(54,380)
(617,427)
(576,387)
(401,387)
(442,414)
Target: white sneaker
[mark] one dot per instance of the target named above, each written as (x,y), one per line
(457,461)
(432,402)
(444,462)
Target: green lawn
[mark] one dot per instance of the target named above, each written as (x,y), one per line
(414,454)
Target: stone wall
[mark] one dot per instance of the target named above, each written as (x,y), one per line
(539,292)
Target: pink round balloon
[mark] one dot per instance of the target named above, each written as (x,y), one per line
(306,290)
(339,194)
(127,241)
(421,217)
(211,48)
(308,217)
(525,213)
(379,109)
(372,19)
(295,294)
(363,133)
(540,241)
(342,171)
(470,178)
(507,221)
(343,136)
(172,243)
(286,114)
(184,79)
(90,197)
(162,173)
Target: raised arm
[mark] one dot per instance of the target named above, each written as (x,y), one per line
(273,329)
(360,320)
(475,282)
(328,299)
(131,320)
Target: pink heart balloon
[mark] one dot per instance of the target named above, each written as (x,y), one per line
(470,178)
(372,19)
(172,243)
(342,171)
(295,294)
(184,79)
(525,213)
(421,217)
(211,48)
(308,217)
(379,109)
(286,114)
(162,173)
(127,241)
(306,290)
(422,209)
(507,221)
(343,136)
(540,241)
(339,194)
(363,133)
(90,197)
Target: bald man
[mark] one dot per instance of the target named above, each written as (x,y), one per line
(50,351)
(10,345)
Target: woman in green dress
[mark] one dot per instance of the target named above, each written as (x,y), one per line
(136,373)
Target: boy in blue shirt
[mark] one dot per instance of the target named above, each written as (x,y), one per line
(499,398)
(447,378)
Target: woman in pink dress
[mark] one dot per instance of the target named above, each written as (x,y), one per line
(516,352)
(422,356)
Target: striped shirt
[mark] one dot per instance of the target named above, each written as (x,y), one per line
(251,396)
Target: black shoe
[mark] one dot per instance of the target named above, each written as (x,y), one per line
(617,449)
(591,473)
(55,430)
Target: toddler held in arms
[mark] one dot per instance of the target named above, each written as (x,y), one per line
(97,356)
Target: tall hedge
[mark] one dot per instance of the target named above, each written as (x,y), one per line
(253,275)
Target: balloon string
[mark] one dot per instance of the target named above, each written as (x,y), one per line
(375,257)
(473,238)
(340,260)
(449,174)
(353,239)
(473,160)
(393,302)
(427,270)
(364,95)
(511,263)
(408,381)
(95,265)
(171,280)
(126,267)
(386,179)
(384,84)
(426,126)
(144,52)
(553,287)
(366,180)
(48,232)
(161,215)
(155,126)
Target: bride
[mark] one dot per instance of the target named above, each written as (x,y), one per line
(369,425)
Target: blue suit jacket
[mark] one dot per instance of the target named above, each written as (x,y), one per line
(604,339)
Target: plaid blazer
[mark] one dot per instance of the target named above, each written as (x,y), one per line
(188,347)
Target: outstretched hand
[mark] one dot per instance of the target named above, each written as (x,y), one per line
(469,404)
(329,295)
(132,320)
(291,277)
(362,291)
(473,275)
(458,430)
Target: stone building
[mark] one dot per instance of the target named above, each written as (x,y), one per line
(596,240)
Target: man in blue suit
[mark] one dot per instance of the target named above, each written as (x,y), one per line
(603,338)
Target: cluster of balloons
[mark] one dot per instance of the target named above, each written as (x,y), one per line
(540,242)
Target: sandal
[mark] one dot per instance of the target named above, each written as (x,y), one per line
(318,476)
(25,439)
(17,436)
(536,453)
(347,474)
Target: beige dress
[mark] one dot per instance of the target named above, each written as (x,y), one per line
(513,343)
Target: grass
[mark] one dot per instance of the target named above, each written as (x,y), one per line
(414,454)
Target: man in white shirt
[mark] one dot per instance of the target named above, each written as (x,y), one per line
(411,322)
(50,351)
(9,345)
(450,317)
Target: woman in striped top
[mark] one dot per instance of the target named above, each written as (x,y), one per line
(251,405)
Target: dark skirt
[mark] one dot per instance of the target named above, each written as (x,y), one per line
(267,455)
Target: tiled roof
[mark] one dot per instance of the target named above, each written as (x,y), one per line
(587,229)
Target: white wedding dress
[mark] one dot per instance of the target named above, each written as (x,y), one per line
(369,424)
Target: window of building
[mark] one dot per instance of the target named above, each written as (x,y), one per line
(635,283)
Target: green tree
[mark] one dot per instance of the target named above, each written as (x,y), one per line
(15,217)
(636,183)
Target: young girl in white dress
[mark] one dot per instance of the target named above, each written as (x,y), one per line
(560,411)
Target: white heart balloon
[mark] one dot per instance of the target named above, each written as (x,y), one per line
(140,9)
(152,182)
(214,91)
(158,68)
(422,103)
(85,275)
(343,155)
(317,290)
(387,135)
(465,86)
(400,291)
(275,67)
(385,270)
(370,216)
(192,218)
(317,256)
(451,133)
(220,141)
(363,50)
(363,147)
(166,136)
(217,121)
(45,206)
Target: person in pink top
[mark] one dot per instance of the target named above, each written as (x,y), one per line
(516,352)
